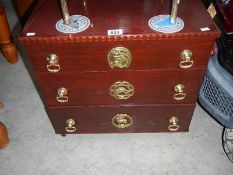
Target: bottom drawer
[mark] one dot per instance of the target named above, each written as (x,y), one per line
(130,119)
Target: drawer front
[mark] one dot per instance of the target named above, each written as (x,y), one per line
(168,118)
(121,87)
(100,56)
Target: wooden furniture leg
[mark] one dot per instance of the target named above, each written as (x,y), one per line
(4,140)
(8,49)
(1,105)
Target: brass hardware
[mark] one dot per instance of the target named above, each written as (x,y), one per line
(173,124)
(53,65)
(122,121)
(186,61)
(179,92)
(70,126)
(121,90)
(65,12)
(62,95)
(119,57)
(175,4)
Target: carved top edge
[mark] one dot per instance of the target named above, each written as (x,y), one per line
(66,39)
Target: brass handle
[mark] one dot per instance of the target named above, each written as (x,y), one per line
(70,125)
(119,57)
(122,121)
(173,124)
(62,95)
(53,65)
(65,12)
(186,61)
(121,90)
(179,92)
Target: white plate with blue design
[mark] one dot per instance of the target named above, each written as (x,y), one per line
(78,23)
(162,23)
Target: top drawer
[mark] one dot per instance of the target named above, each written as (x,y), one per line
(130,55)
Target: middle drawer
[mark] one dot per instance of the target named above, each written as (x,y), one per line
(120,88)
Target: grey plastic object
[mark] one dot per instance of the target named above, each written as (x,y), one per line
(216,94)
(228,143)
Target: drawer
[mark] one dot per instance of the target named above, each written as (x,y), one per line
(121,87)
(160,118)
(99,56)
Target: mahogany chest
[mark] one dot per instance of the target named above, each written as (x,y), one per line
(138,81)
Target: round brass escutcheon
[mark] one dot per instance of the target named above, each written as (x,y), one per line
(173,124)
(186,61)
(70,126)
(122,121)
(119,57)
(62,95)
(121,90)
(53,65)
(179,92)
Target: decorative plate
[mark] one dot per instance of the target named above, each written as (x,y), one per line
(161,23)
(78,23)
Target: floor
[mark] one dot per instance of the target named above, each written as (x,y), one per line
(35,149)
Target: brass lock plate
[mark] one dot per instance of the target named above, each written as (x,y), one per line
(121,90)
(119,57)
(122,121)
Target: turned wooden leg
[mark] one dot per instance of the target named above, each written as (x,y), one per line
(1,105)
(4,140)
(8,49)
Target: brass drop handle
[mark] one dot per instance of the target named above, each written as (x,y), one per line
(119,57)
(173,124)
(53,65)
(70,126)
(121,90)
(62,95)
(122,121)
(179,92)
(186,61)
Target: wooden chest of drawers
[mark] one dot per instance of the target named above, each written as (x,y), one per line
(140,81)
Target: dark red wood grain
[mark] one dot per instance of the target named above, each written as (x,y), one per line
(131,17)
(76,57)
(151,87)
(99,119)
(154,70)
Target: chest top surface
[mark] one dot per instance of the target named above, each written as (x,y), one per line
(130,16)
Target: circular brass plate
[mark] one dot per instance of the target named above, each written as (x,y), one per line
(122,121)
(121,90)
(119,57)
